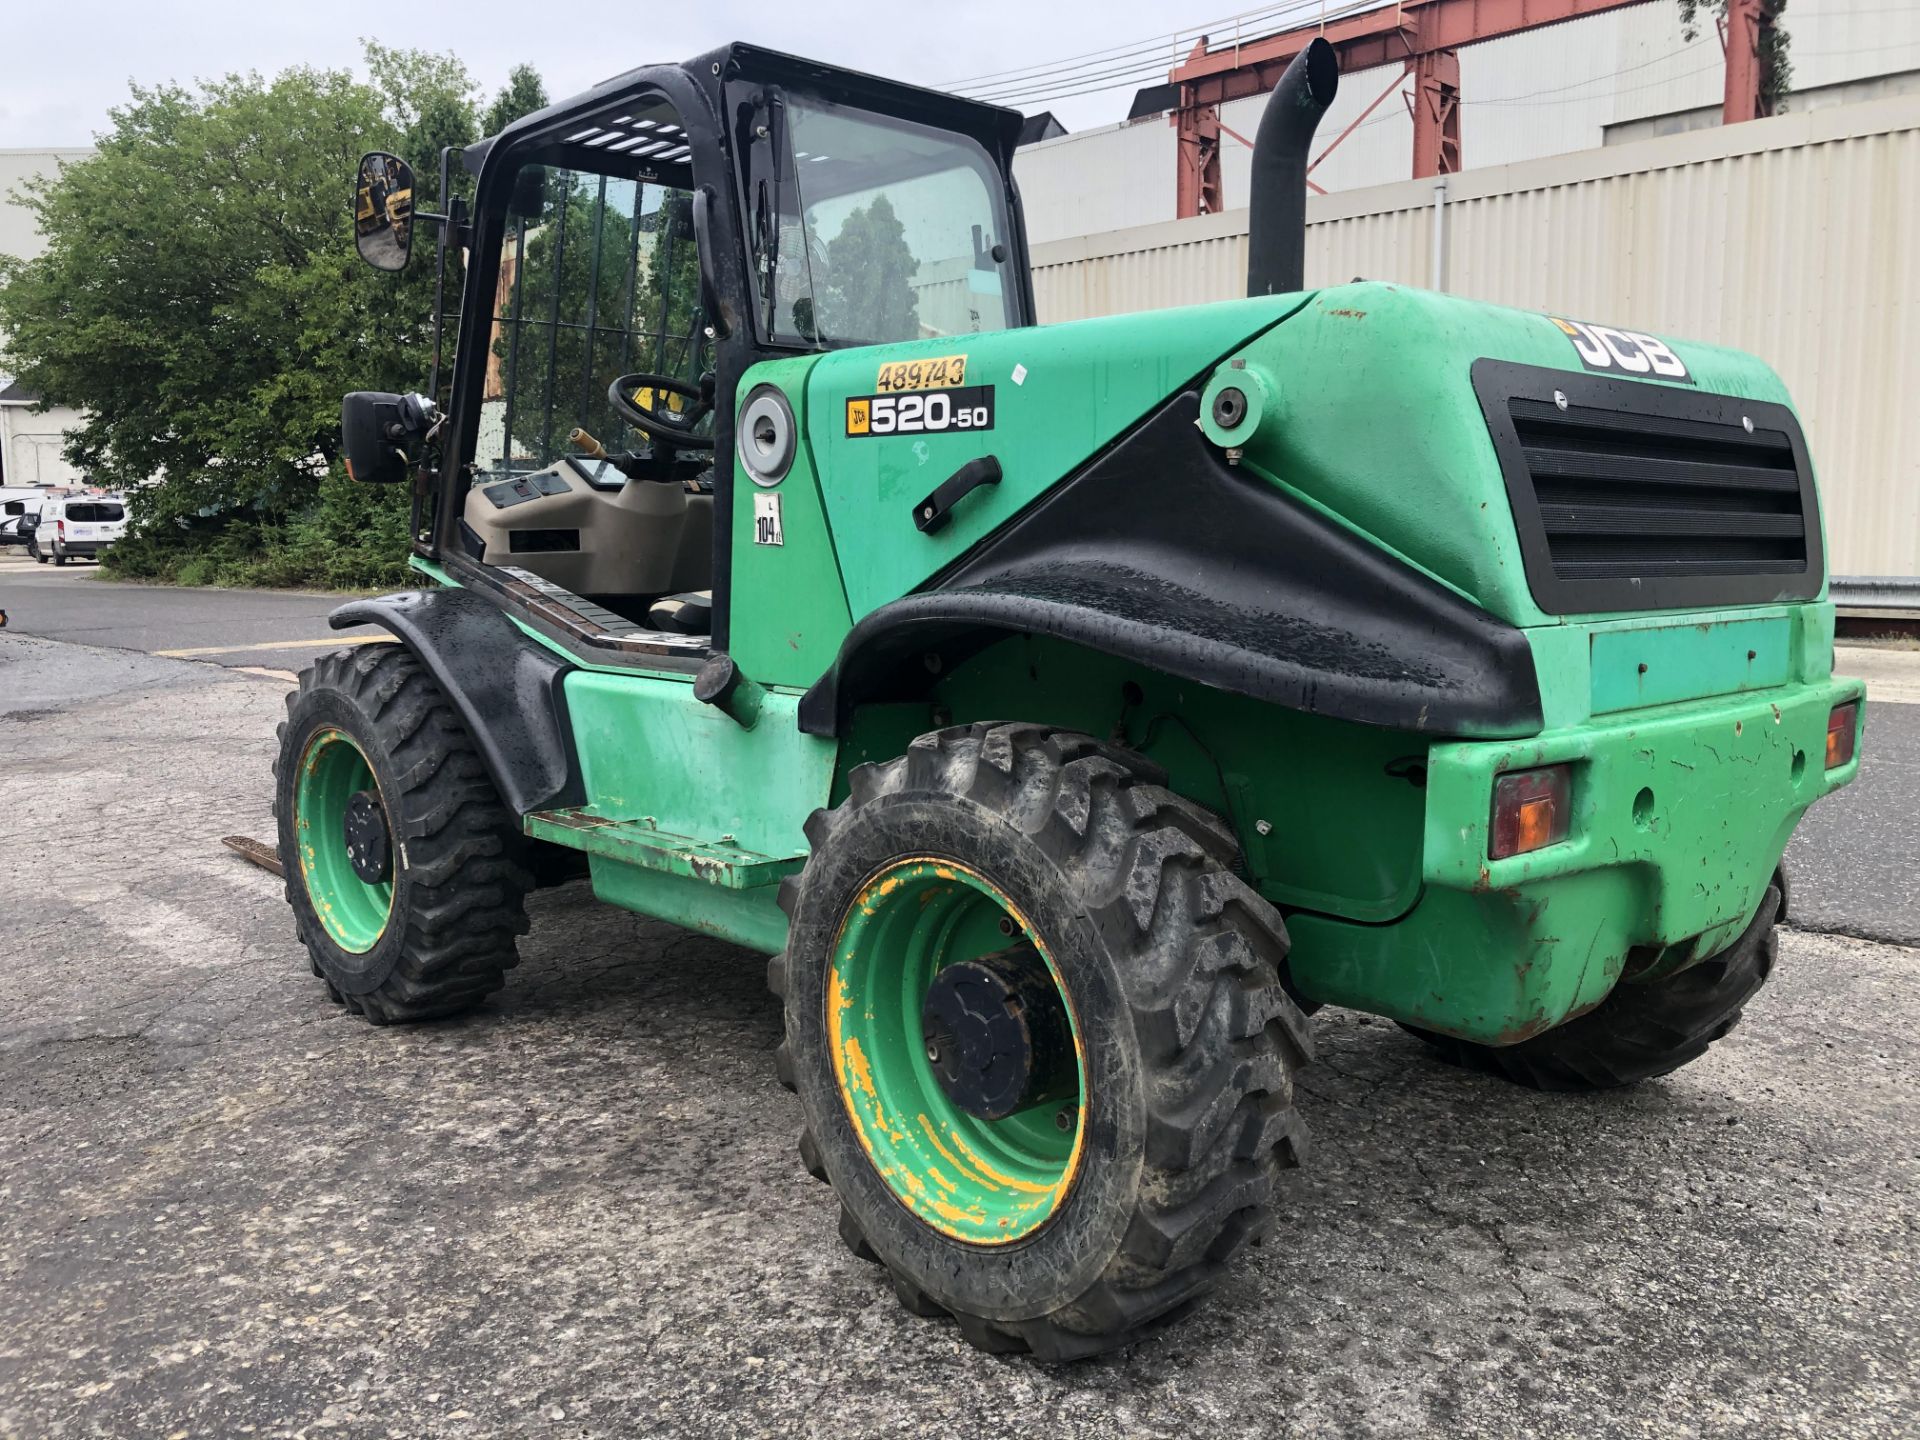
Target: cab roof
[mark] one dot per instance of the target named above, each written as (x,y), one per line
(598,109)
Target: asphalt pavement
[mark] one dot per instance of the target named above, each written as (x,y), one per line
(269,629)
(227,1207)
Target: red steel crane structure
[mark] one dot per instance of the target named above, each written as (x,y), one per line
(1424,38)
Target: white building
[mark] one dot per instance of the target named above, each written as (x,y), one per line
(1618,76)
(30,439)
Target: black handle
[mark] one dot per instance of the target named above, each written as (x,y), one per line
(703,242)
(932,513)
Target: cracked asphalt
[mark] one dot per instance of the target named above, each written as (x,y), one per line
(228,1208)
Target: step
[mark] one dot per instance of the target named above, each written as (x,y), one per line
(643,844)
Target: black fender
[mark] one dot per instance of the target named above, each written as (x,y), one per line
(1160,552)
(507,687)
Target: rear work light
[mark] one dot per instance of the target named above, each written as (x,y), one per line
(1531,809)
(1840,727)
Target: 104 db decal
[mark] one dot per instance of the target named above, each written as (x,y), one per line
(928,412)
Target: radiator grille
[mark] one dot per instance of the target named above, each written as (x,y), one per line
(1625,495)
(1633,496)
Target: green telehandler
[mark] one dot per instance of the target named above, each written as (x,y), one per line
(1068,710)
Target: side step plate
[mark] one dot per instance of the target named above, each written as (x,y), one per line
(640,843)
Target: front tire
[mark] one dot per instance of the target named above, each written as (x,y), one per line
(1639,1031)
(402,865)
(1062,1231)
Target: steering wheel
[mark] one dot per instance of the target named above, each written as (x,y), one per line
(671,428)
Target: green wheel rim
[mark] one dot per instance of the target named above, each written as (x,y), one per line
(985,1182)
(332,768)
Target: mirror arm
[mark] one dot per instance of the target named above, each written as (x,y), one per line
(454,226)
(451,228)
(453,220)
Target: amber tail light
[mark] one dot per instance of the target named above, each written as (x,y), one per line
(1531,809)
(1841,725)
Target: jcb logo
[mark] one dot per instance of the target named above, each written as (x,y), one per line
(1623,352)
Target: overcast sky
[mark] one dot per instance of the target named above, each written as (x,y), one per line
(67,63)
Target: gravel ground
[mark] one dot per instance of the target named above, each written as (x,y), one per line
(226,1207)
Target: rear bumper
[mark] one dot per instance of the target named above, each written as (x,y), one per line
(85,547)
(1681,814)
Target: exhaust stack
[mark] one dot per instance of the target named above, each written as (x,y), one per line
(1277,219)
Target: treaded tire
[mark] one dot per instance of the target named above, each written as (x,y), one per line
(1639,1031)
(1173,968)
(459,879)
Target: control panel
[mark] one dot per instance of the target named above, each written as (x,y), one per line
(526,487)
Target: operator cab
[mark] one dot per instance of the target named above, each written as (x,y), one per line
(633,252)
(592,469)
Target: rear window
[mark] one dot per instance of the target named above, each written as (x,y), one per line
(95,510)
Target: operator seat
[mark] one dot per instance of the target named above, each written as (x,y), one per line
(688,613)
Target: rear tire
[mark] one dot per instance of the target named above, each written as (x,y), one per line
(437,936)
(1169,965)
(1640,1030)
(59,555)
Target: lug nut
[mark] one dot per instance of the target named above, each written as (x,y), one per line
(1066,1117)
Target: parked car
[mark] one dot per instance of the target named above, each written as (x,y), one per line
(77,525)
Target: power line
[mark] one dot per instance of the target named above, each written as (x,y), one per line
(1082,75)
(1157,43)
(1070,89)
(1078,75)
(1572,99)
(1593,79)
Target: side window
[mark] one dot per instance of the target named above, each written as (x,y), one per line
(868,229)
(16,507)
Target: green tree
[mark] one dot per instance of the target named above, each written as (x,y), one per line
(429,100)
(200,300)
(524,93)
(868,290)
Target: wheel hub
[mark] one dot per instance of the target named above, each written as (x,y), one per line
(369,845)
(998,1039)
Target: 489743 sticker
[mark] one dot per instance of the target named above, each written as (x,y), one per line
(932,373)
(927,412)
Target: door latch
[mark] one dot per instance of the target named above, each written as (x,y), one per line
(932,513)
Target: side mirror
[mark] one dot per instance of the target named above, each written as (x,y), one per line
(383,211)
(373,432)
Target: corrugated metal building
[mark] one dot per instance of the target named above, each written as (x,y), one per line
(1792,237)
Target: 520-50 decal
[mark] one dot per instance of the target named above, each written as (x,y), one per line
(926,412)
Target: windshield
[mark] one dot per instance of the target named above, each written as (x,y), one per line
(599,277)
(869,229)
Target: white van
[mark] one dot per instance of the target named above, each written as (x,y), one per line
(16,504)
(73,525)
